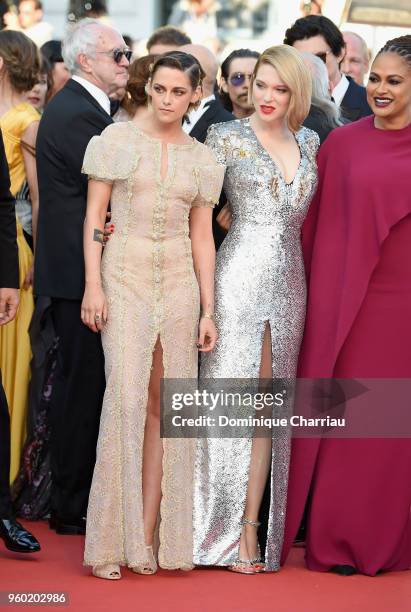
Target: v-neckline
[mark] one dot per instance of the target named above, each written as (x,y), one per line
(275,164)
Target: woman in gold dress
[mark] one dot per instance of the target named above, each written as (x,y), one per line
(19,67)
(156,271)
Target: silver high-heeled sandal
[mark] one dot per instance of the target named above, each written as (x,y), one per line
(249,566)
(149,566)
(110,571)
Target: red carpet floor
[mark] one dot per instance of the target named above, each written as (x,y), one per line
(58,567)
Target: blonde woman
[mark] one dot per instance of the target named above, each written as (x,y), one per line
(260,299)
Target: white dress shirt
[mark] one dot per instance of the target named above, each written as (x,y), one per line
(98,94)
(195,114)
(340,90)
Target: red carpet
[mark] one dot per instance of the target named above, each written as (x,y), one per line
(58,567)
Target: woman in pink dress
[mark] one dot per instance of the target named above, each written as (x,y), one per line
(357,241)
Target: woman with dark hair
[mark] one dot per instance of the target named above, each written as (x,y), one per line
(60,74)
(236,73)
(19,67)
(357,240)
(37,96)
(145,299)
(133,97)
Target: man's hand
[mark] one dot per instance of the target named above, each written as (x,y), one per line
(9,301)
(224,217)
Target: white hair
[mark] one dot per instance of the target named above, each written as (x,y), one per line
(320,93)
(80,38)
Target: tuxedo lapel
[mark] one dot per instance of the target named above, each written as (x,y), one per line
(202,124)
(82,91)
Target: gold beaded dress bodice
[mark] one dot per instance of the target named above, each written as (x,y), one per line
(152,292)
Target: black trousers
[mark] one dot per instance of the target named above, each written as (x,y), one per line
(75,409)
(5,499)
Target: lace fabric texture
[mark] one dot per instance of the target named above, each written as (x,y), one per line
(259,282)
(152,292)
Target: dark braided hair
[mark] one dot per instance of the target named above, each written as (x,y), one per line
(225,71)
(401,46)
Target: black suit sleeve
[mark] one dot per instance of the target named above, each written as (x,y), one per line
(77,137)
(9,261)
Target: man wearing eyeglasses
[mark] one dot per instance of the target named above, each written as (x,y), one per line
(98,59)
(319,35)
(236,73)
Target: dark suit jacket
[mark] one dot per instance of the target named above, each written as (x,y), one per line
(9,259)
(354,104)
(317,121)
(215,113)
(70,120)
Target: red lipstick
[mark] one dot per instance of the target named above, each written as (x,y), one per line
(267,110)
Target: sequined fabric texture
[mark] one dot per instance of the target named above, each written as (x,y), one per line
(260,281)
(152,291)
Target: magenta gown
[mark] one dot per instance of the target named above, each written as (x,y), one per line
(357,243)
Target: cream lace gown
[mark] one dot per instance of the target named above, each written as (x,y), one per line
(152,292)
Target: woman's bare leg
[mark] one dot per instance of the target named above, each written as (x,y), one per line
(260,462)
(153,448)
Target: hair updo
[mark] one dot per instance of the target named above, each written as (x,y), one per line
(138,75)
(185,62)
(21,60)
(401,46)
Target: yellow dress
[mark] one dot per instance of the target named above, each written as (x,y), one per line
(15,353)
(151,291)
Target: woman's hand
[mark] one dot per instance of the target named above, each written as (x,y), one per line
(94,307)
(224,217)
(108,228)
(28,280)
(207,335)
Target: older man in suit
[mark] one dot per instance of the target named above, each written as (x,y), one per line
(319,35)
(98,59)
(15,537)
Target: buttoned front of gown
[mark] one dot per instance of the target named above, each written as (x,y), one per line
(152,293)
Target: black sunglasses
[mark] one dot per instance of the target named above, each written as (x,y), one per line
(117,54)
(238,78)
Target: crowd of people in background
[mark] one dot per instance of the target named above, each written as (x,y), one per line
(70,113)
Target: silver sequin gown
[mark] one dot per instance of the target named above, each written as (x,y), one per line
(260,280)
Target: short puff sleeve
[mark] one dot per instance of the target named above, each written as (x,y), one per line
(209,180)
(106,159)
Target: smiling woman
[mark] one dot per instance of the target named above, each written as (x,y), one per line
(389,84)
(357,240)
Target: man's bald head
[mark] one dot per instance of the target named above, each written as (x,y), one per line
(208,63)
(356,59)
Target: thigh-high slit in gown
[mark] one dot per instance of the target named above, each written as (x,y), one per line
(152,293)
(260,282)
